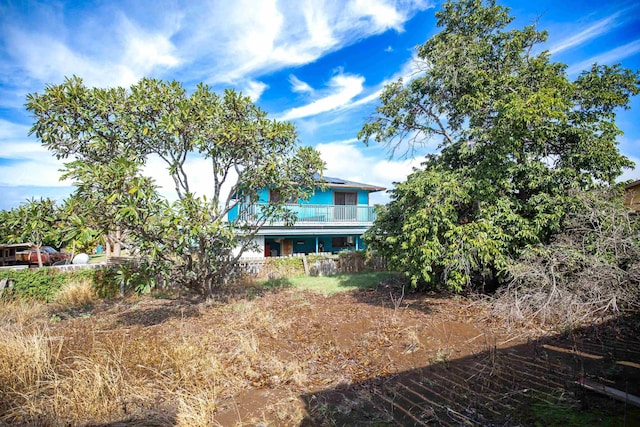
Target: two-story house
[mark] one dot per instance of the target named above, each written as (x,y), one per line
(332,220)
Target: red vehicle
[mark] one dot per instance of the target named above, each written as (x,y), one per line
(49,256)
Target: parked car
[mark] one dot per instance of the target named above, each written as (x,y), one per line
(49,255)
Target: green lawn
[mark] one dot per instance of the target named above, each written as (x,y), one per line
(328,285)
(94,259)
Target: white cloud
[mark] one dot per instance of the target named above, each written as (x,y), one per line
(144,51)
(343,88)
(219,42)
(31,165)
(631,174)
(348,160)
(10,130)
(251,37)
(113,50)
(407,72)
(254,89)
(383,14)
(298,85)
(600,27)
(609,57)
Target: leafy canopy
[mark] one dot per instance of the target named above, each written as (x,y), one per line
(109,137)
(517,139)
(36,222)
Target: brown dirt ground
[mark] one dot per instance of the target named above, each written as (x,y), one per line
(376,357)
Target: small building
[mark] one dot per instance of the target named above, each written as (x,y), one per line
(332,220)
(8,252)
(632,196)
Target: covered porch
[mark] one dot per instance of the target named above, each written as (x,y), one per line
(291,245)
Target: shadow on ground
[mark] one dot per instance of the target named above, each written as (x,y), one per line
(536,383)
(149,315)
(368,286)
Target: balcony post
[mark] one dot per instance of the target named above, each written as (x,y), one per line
(317,245)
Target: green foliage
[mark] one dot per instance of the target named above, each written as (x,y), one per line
(39,284)
(37,222)
(78,231)
(43,283)
(140,278)
(283,267)
(110,135)
(517,138)
(438,235)
(106,282)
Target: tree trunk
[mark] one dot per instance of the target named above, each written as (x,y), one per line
(39,256)
(116,249)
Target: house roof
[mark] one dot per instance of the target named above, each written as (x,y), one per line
(632,185)
(345,183)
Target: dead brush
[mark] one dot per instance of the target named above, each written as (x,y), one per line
(197,408)
(23,313)
(588,273)
(27,359)
(76,294)
(89,388)
(187,365)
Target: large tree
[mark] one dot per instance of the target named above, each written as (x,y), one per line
(109,135)
(517,139)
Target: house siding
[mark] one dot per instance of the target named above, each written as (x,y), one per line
(320,221)
(325,197)
(632,196)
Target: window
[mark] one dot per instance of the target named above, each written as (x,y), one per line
(345,202)
(275,197)
(343,242)
(345,198)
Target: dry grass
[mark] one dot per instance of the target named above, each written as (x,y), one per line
(23,313)
(27,359)
(95,375)
(76,294)
(27,351)
(162,362)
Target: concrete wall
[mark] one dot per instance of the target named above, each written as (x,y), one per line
(256,252)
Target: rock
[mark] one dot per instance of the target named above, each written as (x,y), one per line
(81,259)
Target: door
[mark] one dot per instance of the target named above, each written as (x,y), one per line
(345,202)
(287,247)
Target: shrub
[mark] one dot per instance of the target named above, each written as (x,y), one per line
(40,284)
(278,267)
(590,270)
(44,284)
(105,281)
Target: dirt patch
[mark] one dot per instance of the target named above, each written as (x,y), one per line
(374,357)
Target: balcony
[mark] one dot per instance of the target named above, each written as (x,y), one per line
(315,214)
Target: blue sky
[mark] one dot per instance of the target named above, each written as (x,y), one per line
(319,64)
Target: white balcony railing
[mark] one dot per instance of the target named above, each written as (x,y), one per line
(325,214)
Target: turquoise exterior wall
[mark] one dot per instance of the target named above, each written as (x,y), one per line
(317,198)
(326,197)
(309,244)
